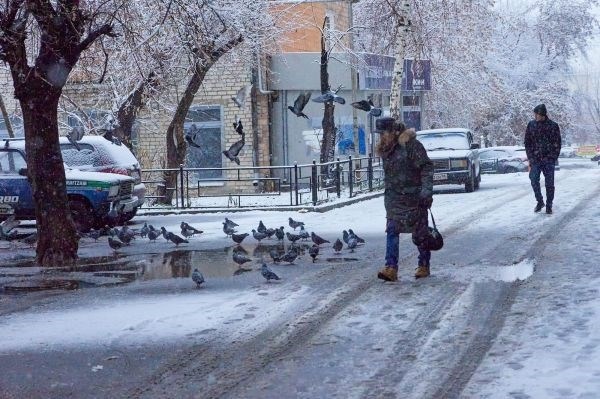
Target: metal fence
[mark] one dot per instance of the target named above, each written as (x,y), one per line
(264,186)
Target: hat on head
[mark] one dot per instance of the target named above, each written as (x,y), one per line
(388,123)
(540,110)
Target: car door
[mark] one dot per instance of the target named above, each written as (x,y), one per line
(15,190)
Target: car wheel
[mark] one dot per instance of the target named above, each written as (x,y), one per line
(82,215)
(470,185)
(127,216)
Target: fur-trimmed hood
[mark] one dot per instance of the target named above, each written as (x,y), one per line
(406,136)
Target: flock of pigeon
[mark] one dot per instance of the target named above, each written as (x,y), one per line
(263,233)
(118,238)
(193,134)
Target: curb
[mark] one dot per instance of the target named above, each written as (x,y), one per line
(319,208)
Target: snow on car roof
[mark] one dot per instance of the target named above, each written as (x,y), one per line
(109,153)
(445,130)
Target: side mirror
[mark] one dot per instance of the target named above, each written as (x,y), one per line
(475,146)
(23,172)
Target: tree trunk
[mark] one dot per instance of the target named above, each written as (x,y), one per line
(6,117)
(58,241)
(399,53)
(176,145)
(328,122)
(129,109)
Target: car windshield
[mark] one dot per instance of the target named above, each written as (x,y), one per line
(444,141)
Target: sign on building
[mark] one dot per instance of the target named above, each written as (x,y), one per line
(417,75)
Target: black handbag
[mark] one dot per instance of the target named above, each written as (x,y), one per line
(434,240)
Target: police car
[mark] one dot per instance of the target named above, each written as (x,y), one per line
(92,195)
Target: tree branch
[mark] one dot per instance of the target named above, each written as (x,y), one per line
(105,29)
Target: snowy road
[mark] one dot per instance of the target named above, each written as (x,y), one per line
(511,310)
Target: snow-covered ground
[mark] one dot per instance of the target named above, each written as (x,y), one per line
(548,347)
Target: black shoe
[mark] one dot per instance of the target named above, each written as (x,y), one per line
(539,207)
(549,210)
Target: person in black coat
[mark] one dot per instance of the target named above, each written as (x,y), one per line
(542,144)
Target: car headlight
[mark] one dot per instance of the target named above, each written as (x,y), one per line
(458,163)
(113,191)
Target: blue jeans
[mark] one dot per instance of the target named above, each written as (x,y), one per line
(547,168)
(393,242)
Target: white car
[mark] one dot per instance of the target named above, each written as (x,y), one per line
(97,154)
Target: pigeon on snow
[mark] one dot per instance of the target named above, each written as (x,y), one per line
(197,277)
(267,273)
(337,246)
(294,224)
(238,238)
(314,252)
(240,259)
(317,239)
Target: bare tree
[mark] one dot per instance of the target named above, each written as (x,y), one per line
(42,41)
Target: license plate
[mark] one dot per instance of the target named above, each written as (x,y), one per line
(440,176)
(6,210)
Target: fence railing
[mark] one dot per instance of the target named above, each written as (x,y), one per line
(262,186)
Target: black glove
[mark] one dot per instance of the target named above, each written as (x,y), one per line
(425,202)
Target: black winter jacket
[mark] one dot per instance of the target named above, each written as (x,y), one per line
(542,141)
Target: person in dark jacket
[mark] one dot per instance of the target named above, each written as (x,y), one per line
(408,193)
(542,144)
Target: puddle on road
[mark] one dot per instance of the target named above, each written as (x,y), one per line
(521,271)
(119,268)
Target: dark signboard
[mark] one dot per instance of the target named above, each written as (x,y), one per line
(417,75)
(376,74)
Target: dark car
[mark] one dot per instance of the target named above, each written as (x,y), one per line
(503,160)
(454,155)
(91,195)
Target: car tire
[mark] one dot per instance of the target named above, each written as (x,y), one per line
(82,214)
(127,216)
(470,185)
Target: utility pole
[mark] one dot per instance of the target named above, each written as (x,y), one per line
(404,24)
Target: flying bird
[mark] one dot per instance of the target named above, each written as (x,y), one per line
(367,105)
(314,252)
(240,97)
(191,134)
(237,125)
(197,278)
(337,246)
(294,223)
(330,96)
(267,273)
(75,135)
(234,150)
(317,240)
(299,104)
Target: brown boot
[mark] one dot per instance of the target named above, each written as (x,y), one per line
(388,274)
(422,271)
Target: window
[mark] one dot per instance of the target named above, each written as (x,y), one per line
(95,119)
(11,162)
(87,156)
(17,125)
(208,122)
